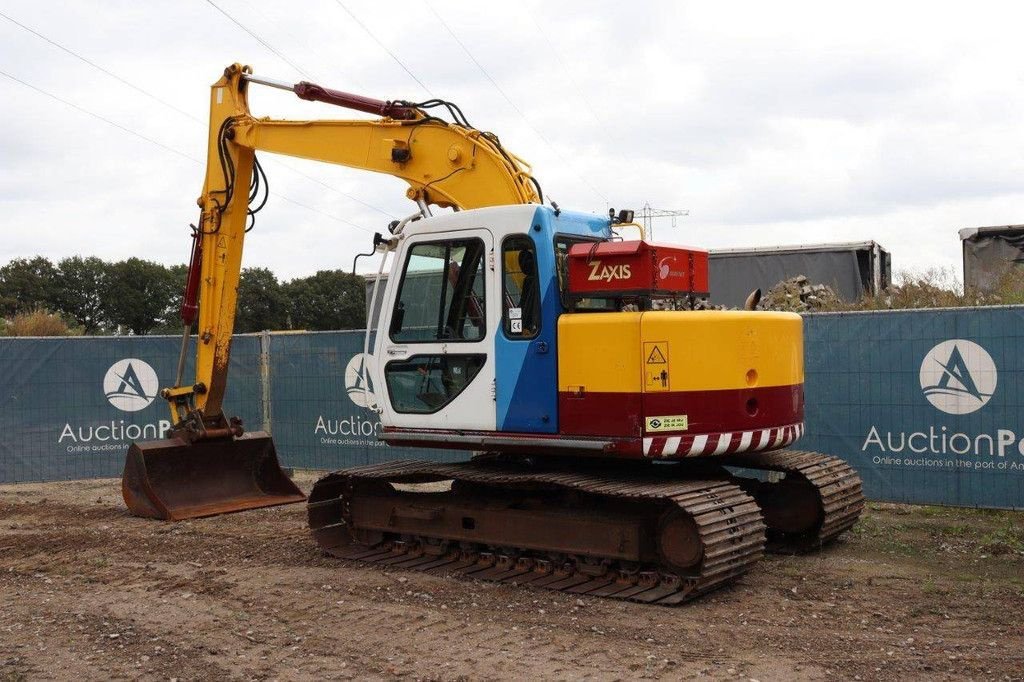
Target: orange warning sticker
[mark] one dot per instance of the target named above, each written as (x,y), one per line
(656,366)
(655,356)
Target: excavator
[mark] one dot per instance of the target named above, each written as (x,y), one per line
(616,441)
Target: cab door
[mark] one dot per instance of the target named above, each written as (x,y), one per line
(525,352)
(435,348)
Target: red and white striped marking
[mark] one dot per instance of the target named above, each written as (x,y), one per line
(711,444)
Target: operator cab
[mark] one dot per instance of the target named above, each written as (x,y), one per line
(472,319)
(469,326)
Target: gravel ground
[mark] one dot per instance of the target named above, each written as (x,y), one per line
(89,592)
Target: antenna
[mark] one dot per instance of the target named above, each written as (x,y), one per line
(648,214)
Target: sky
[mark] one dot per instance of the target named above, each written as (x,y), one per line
(771,123)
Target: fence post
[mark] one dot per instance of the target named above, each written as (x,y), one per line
(265,379)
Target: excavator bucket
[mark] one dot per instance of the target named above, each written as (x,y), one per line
(175,480)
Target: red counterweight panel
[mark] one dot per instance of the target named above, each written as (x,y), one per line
(636,268)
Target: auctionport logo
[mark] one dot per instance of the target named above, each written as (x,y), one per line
(130,384)
(355,430)
(958,376)
(357,382)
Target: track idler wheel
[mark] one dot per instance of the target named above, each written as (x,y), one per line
(679,541)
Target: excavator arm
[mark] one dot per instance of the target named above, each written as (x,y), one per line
(444,164)
(209,466)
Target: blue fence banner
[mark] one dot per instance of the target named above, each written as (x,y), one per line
(318,404)
(71,406)
(925,404)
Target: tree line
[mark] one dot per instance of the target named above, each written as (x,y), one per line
(137,296)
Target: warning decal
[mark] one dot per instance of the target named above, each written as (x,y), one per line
(655,356)
(656,366)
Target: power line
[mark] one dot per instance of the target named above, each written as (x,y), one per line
(101,118)
(295,66)
(97,66)
(384,47)
(260,40)
(323,213)
(279,25)
(648,214)
(591,109)
(165,147)
(512,104)
(167,104)
(335,189)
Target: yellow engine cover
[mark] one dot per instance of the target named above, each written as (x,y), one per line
(691,377)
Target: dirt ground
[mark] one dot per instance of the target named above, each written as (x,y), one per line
(89,592)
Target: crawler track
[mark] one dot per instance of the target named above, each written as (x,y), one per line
(819,498)
(643,535)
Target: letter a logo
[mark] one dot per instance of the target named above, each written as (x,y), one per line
(358,384)
(130,384)
(958,376)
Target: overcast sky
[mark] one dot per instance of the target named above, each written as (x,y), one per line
(772,123)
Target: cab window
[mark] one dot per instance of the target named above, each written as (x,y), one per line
(441,294)
(520,288)
(424,384)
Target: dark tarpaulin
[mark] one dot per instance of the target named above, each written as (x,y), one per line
(990,253)
(316,390)
(734,275)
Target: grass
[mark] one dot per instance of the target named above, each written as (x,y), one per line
(893,545)
(933,511)
(929,587)
(940,538)
(1007,538)
(957,530)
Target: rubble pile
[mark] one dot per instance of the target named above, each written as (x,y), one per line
(798,295)
(705,304)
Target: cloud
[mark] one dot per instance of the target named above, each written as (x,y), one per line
(772,123)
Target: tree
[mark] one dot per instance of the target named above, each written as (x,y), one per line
(330,299)
(26,285)
(171,324)
(261,302)
(83,282)
(141,296)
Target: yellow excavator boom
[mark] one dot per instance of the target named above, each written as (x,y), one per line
(208,465)
(444,164)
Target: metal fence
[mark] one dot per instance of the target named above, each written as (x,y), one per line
(925,404)
(72,405)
